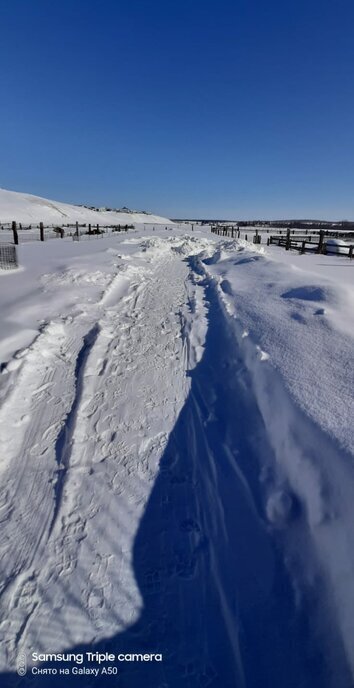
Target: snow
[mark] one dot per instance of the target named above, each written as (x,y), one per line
(336,246)
(26,208)
(177,469)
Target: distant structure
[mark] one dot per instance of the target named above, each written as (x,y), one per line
(105,209)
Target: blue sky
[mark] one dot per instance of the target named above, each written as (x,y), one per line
(187,108)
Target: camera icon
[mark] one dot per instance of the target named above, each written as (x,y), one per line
(21,664)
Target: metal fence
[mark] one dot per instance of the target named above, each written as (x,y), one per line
(8,257)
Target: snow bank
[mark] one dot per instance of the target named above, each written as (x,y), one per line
(289,325)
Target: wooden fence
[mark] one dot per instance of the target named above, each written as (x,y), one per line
(18,233)
(317,244)
(226,230)
(308,241)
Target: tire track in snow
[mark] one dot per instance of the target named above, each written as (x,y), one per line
(41,401)
(63,444)
(30,418)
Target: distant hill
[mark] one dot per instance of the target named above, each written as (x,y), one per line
(26,208)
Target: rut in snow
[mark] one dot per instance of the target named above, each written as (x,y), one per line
(65,437)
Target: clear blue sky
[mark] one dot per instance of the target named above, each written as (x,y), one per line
(184,107)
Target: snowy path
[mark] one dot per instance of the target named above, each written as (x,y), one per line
(91,410)
(145,502)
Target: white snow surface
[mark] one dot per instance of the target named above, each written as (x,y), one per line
(26,208)
(177,440)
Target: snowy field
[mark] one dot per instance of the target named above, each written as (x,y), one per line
(177,464)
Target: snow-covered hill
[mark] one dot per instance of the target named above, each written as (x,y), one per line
(24,207)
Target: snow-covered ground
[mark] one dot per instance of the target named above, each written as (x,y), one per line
(177,465)
(27,209)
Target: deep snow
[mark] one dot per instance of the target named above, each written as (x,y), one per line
(177,467)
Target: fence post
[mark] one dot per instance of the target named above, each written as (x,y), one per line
(303,248)
(89,229)
(320,242)
(288,240)
(14,229)
(350,254)
(41,231)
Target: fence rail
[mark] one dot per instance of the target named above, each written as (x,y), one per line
(304,245)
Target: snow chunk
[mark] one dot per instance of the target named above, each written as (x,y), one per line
(280,507)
